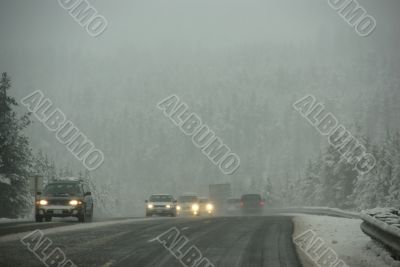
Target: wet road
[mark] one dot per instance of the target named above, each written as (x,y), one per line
(214,241)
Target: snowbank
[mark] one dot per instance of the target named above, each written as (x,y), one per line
(345,237)
(7,220)
(389,218)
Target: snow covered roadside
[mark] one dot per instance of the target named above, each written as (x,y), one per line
(7,220)
(345,237)
(78,227)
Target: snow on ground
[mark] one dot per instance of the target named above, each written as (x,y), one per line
(7,220)
(345,237)
(77,227)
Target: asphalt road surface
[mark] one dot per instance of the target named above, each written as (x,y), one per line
(223,241)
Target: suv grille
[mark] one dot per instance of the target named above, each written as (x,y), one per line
(62,202)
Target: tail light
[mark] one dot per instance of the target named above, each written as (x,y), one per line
(241,204)
(262,203)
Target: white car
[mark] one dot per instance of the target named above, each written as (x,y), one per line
(161,204)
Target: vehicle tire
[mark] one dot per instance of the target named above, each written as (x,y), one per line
(48,218)
(82,217)
(38,218)
(90,217)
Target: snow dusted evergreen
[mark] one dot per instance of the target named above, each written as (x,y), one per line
(331,181)
(15,156)
(17,161)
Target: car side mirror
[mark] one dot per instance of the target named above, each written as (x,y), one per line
(88,194)
(146,201)
(38,193)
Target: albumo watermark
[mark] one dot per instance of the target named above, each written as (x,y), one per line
(338,136)
(178,245)
(317,250)
(66,132)
(202,136)
(355,15)
(85,15)
(40,246)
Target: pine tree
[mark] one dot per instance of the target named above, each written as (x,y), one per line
(393,162)
(15,156)
(309,185)
(52,171)
(369,190)
(43,167)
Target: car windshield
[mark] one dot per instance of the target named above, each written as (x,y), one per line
(161,198)
(186,199)
(67,189)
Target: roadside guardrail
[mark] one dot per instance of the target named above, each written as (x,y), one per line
(383,225)
(317,211)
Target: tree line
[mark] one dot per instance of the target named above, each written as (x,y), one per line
(330,181)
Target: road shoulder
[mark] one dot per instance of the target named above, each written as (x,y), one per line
(343,235)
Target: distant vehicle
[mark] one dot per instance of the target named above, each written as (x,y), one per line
(188,204)
(161,204)
(206,206)
(252,203)
(233,205)
(65,198)
(219,194)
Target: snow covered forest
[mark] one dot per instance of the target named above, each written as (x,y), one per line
(243,88)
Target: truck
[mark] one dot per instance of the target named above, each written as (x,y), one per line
(218,195)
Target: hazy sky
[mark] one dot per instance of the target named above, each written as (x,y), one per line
(42,24)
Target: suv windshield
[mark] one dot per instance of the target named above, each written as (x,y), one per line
(186,199)
(65,189)
(161,198)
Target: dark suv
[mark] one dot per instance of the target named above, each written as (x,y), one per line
(252,203)
(65,198)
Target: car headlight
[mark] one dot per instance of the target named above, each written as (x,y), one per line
(168,206)
(43,202)
(209,207)
(150,206)
(178,207)
(195,207)
(74,202)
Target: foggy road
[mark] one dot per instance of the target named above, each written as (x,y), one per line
(224,241)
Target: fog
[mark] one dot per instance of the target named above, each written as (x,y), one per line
(238,64)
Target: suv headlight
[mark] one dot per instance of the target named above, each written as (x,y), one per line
(178,207)
(43,202)
(150,206)
(209,207)
(195,207)
(75,202)
(168,206)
